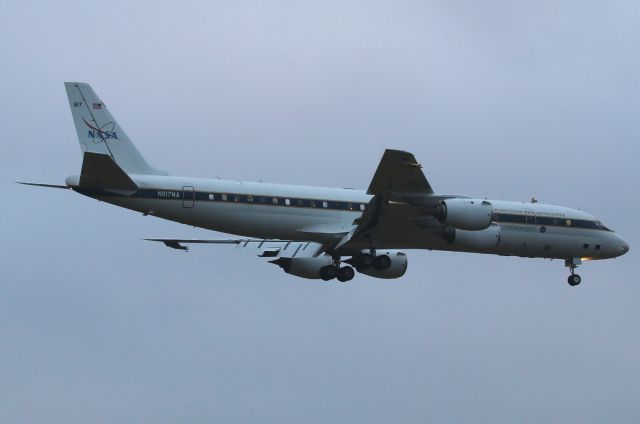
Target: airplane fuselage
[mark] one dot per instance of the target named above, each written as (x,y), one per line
(290,212)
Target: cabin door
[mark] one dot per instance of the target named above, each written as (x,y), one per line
(188,197)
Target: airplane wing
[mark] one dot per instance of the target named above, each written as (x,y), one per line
(403,202)
(263,248)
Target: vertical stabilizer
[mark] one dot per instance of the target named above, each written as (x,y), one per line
(98,131)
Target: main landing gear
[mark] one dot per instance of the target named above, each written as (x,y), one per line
(360,262)
(342,274)
(366,260)
(345,273)
(573,263)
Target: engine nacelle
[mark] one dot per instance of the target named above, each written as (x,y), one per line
(465,214)
(396,269)
(304,267)
(481,240)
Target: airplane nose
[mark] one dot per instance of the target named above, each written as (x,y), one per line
(624,247)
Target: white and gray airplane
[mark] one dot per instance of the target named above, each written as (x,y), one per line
(326,233)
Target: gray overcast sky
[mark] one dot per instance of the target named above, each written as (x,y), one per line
(497,98)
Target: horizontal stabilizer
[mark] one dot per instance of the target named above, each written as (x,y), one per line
(101,171)
(43,185)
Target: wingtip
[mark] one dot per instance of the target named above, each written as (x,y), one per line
(397,152)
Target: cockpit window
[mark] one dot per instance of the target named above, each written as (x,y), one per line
(600,226)
(585,223)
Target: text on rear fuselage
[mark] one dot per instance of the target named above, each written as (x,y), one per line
(165,194)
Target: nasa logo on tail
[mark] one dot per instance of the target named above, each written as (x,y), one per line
(105,132)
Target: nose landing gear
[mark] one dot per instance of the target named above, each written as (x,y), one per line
(574,279)
(573,263)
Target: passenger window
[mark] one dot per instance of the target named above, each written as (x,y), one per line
(585,246)
(597,247)
(262,199)
(275,200)
(325,204)
(287,202)
(249,199)
(568,222)
(236,198)
(361,206)
(531,219)
(211,197)
(312,203)
(224,197)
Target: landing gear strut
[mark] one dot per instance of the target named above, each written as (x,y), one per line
(573,263)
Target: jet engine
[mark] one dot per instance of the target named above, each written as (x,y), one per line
(304,267)
(397,265)
(476,240)
(465,214)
